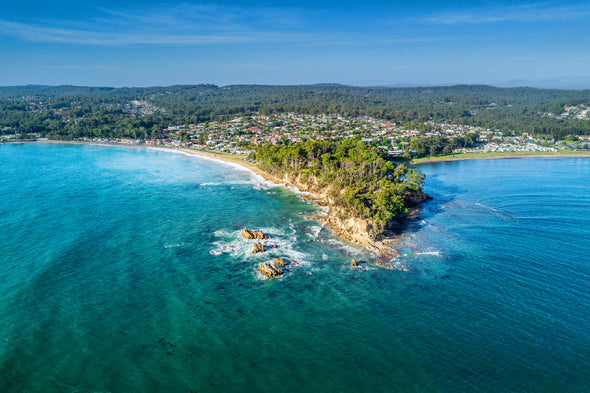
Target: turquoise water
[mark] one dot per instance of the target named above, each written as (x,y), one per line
(122,270)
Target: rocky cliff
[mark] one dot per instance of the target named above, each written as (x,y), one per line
(353,229)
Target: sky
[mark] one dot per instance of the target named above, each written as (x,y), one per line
(363,43)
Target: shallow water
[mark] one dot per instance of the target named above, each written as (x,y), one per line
(123,269)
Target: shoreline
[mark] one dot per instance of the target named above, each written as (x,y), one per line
(379,247)
(382,247)
(496,156)
(200,153)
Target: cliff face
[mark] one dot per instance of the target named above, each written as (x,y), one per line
(353,229)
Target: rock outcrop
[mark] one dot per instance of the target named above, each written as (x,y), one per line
(248,234)
(270,270)
(385,265)
(357,265)
(351,229)
(279,262)
(258,247)
(391,266)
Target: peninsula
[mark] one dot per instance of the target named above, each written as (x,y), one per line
(367,193)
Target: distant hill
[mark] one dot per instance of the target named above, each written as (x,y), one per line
(564,83)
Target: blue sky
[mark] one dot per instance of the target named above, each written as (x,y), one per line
(147,43)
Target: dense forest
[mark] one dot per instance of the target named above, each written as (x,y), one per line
(358,177)
(70,111)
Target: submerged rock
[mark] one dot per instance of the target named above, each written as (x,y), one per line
(258,247)
(248,234)
(279,262)
(391,266)
(385,265)
(269,269)
(357,265)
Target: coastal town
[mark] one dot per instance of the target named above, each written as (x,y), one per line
(240,134)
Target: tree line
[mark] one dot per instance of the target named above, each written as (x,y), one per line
(70,111)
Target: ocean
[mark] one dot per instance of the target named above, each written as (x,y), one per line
(123,270)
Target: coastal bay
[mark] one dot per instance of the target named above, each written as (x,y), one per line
(117,274)
(294,197)
(343,223)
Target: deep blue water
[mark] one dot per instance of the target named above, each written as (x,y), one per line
(122,270)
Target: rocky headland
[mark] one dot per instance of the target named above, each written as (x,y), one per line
(345,225)
(352,229)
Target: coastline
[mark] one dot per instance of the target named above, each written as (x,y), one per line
(496,156)
(340,229)
(350,230)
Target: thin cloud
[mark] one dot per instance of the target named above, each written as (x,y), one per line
(360,40)
(78,67)
(182,25)
(208,17)
(196,25)
(539,12)
(102,38)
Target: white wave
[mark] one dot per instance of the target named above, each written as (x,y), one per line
(262,277)
(435,253)
(296,190)
(258,181)
(324,210)
(234,244)
(315,231)
(348,249)
(293,230)
(174,245)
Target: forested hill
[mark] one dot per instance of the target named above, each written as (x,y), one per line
(508,109)
(349,97)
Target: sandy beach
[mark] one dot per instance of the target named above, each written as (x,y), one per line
(237,161)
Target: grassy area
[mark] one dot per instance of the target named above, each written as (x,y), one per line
(515,154)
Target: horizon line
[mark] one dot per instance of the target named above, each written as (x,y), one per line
(502,85)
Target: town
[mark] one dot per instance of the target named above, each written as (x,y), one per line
(239,134)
